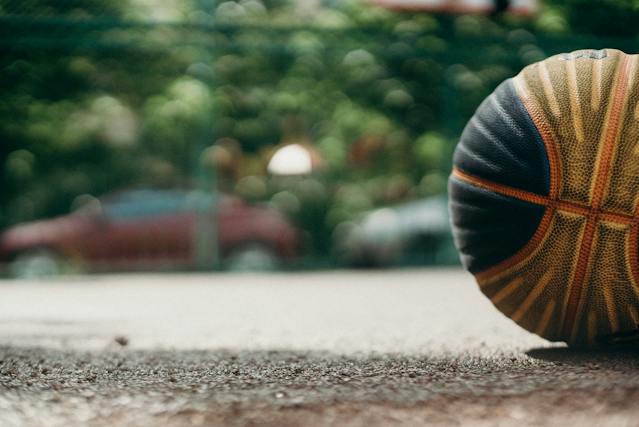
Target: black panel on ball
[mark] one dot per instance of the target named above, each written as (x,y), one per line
(501,144)
(489,227)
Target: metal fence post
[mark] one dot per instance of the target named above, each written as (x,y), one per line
(205,238)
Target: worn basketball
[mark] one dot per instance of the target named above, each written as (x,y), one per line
(544,197)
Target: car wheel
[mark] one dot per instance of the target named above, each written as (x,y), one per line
(254,257)
(36,264)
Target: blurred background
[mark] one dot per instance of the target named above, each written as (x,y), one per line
(253,134)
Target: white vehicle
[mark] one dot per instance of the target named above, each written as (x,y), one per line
(414,233)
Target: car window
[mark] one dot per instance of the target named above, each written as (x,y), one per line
(145,203)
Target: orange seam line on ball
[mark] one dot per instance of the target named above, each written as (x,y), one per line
(583,258)
(540,233)
(523,253)
(538,199)
(600,183)
(633,242)
(537,238)
(500,188)
(548,139)
(633,253)
(545,132)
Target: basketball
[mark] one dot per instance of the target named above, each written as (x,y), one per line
(544,197)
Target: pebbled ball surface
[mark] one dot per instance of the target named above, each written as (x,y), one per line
(544,197)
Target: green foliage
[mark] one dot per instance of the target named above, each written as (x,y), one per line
(602,17)
(98,95)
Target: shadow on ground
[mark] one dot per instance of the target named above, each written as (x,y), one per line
(626,357)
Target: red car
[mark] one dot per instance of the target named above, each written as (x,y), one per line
(152,229)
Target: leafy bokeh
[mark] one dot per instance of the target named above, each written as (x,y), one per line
(100,95)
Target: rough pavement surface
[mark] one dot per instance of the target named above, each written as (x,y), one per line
(314,349)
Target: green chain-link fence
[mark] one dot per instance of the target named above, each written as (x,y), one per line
(100,96)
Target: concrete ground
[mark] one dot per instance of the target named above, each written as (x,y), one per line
(339,348)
